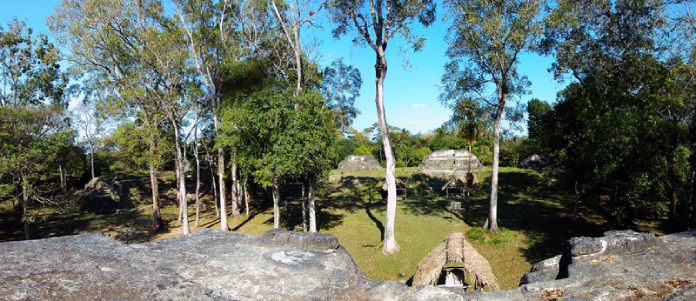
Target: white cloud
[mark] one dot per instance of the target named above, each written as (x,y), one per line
(419,105)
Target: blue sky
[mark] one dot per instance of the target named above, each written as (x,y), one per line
(410,94)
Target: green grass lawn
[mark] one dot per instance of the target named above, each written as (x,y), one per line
(534,212)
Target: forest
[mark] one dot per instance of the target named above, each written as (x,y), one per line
(168,116)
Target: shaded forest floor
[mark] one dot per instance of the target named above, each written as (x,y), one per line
(535,213)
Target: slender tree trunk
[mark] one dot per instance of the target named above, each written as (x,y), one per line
(298,64)
(198,173)
(63,181)
(312,211)
(235,189)
(211,164)
(691,220)
(493,203)
(177,171)
(390,244)
(179,162)
(293,41)
(25,210)
(246,197)
(221,179)
(303,199)
(276,199)
(91,159)
(215,191)
(157,223)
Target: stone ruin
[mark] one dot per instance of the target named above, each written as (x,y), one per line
(216,265)
(534,162)
(355,162)
(450,162)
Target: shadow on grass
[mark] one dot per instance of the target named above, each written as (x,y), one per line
(527,202)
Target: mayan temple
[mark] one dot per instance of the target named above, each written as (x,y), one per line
(449,162)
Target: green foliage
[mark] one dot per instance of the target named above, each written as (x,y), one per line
(340,87)
(363,150)
(32,143)
(621,144)
(397,19)
(128,149)
(485,40)
(621,132)
(537,113)
(278,136)
(512,151)
(29,66)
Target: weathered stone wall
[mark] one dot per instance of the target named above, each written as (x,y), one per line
(450,162)
(354,162)
(215,265)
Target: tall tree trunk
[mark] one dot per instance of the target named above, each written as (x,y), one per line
(198,173)
(275,191)
(293,41)
(179,162)
(470,159)
(215,191)
(157,223)
(312,213)
(493,202)
(25,210)
(91,158)
(221,177)
(63,181)
(298,63)
(246,196)
(303,200)
(235,188)
(390,244)
(177,171)
(211,166)
(692,221)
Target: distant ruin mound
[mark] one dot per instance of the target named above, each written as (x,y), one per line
(450,162)
(356,162)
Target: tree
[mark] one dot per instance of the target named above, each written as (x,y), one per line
(470,121)
(106,47)
(292,16)
(309,141)
(29,69)
(340,87)
(622,128)
(537,113)
(31,141)
(485,41)
(33,133)
(163,55)
(88,120)
(376,23)
(208,26)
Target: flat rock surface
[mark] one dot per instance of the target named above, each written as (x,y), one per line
(215,265)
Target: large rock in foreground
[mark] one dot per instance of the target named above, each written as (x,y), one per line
(212,265)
